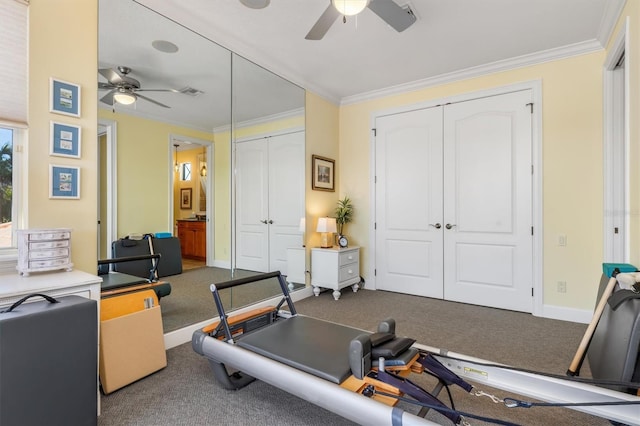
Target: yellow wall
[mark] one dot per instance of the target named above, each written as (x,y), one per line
(69,54)
(190,156)
(144,158)
(322,134)
(103,252)
(222,195)
(572,167)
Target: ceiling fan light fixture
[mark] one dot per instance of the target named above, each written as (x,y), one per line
(350,7)
(203,169)
(176,166)
(256,4)
(124,98)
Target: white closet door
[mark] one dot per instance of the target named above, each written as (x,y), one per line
(286,196)
(487,202)
(252,205)
(409,202)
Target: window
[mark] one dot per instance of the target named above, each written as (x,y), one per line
(6,186)
(13,127)
(185,171)
(11,141)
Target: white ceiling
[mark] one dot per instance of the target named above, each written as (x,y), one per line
(126,33)
(360,59)
(365,55)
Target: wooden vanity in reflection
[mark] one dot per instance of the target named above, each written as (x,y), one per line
(193,238)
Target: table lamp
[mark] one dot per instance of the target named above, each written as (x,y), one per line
(326,226)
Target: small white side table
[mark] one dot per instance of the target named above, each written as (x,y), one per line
(335,268)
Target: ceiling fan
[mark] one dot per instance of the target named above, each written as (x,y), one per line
(398,17)
(124,89)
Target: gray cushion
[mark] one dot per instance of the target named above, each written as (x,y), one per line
(315,346)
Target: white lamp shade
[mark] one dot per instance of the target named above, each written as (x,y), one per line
(124,98)
(327,224)
(350,7)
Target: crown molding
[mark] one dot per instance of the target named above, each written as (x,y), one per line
(298,112)
(612,12)
(491,68)
(153,117)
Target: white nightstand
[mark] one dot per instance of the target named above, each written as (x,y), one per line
(335,268)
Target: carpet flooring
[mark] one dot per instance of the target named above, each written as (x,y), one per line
(186,393)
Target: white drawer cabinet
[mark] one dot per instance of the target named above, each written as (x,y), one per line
(335,268)
(42,250)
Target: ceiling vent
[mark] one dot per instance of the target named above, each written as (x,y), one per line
(191,91)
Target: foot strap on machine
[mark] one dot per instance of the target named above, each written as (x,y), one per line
(408,387)
(441,372)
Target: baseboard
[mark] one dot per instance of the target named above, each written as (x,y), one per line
(183,335)
(225,264)
(567,314)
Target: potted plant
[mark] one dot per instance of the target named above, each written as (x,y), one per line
(344,214)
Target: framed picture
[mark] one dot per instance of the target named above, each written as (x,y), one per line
(64,182)
(64,98)
(64,140)
(185,198)
(323,175)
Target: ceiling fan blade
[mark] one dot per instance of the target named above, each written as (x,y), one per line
(111,75)
(156,90)
(108,98)
(323,23)
(394,15)
(152,101)
(105,86)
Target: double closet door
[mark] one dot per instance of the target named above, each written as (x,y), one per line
(453,199)
(269,200)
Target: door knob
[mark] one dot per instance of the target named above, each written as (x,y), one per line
(449,226)
(270,222)
(437,225)
(263,221)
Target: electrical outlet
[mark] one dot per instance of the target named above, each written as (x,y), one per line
(562,240)
(562,286)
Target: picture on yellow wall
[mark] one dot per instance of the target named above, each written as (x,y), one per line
(323,175)
(185,198)
(64,98)
(64,182)
(64,140)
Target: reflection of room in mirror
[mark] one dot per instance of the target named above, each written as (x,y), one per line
(263,102)
(202,187)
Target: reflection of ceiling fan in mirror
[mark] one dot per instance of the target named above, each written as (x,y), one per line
(124,89)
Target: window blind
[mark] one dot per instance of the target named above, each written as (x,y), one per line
(14,60)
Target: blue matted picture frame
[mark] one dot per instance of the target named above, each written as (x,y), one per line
(64,97)
(64,182)
(65,140)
